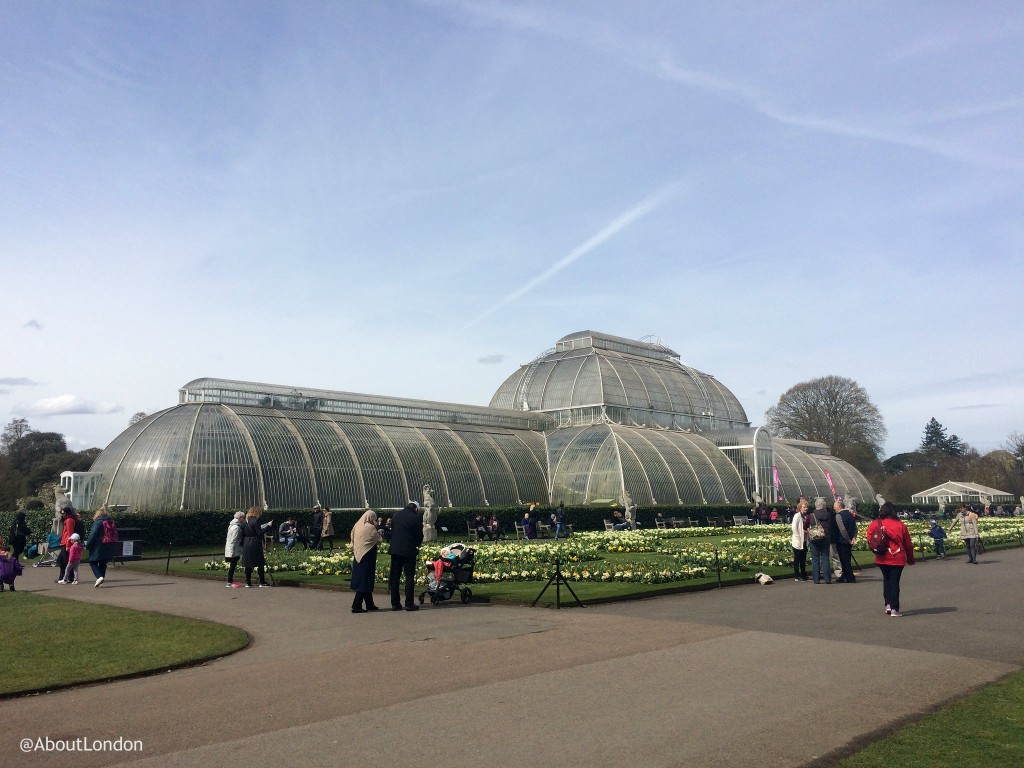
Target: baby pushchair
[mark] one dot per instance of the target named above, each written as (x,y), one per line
(447,574)
(49,559)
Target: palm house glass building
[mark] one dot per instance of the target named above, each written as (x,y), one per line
(596,419)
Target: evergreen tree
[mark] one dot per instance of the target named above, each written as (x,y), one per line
(934,439)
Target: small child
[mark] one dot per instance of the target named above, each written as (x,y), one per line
(937,533)
(74,558)
(10,568)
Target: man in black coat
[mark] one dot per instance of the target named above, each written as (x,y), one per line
(406,537)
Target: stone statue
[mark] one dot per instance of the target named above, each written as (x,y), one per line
(61,501)
(631,513)
(429,515)
(942,508)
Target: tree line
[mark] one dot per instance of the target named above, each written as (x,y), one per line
(31,463)
(837,411)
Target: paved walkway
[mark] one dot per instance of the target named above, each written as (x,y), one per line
(725,678)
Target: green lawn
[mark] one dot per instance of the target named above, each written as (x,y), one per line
(59,642)
(983,730)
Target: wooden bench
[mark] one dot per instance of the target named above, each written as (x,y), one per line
(660,524)
(609,525)
(471,531)
(740,520)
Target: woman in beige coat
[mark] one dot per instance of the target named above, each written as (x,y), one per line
(327,531)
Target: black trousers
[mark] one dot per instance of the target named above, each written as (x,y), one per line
(891,584)
(402,566)
(62,561)
(800,563)
(845,551)
(363,598)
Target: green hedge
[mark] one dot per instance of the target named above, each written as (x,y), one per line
(190,528)
(208,528)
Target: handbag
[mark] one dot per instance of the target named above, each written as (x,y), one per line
(816,532)
(979,548)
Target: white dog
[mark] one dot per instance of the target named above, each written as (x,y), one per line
(763,579)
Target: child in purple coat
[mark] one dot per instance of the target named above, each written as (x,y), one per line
(10,568)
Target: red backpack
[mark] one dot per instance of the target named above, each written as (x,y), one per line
(878,538)
(109,532)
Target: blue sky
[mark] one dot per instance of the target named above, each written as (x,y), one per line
(414,198)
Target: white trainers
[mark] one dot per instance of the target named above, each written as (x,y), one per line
(75,581)
(99,581)
(896,615)
(61,581)
(888,610)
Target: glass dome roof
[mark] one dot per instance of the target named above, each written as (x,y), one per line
(598,418)
(625,381)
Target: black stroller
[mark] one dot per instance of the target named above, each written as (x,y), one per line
(447,575)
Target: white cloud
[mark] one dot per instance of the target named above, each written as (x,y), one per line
(33,324)
(18,381)
(68,404)
(491,359)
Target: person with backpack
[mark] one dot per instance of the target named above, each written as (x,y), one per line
(889,539)
(103,544)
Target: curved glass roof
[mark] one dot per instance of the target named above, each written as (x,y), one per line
(221,456)
(623,381)
(802,473)
(597,418)
(610,461)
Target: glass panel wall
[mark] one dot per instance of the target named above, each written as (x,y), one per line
(287,477)
(221,469)
(465,488)
(334,468)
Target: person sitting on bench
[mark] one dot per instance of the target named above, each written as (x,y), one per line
(288,533)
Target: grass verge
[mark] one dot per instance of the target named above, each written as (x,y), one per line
(71,643)
(983,730)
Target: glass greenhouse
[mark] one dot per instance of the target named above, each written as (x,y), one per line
(597,419)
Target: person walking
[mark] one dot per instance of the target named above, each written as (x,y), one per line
(821,534)
(103,544)
(799,542)
(327,529)
(19,535)
(406,537)
(968,522)
(233,547)
(74,558)
(316,530)
(67,527)
(252,547)
(846,530)
(898,552)
(561,527)
(939,535)
(365,537)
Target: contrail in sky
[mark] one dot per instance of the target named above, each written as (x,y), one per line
(609,231)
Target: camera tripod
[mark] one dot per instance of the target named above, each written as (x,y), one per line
(558,579)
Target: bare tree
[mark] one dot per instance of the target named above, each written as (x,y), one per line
(14,431)
(833,410)
(137,417)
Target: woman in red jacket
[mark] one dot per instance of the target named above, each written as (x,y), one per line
(898,553)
